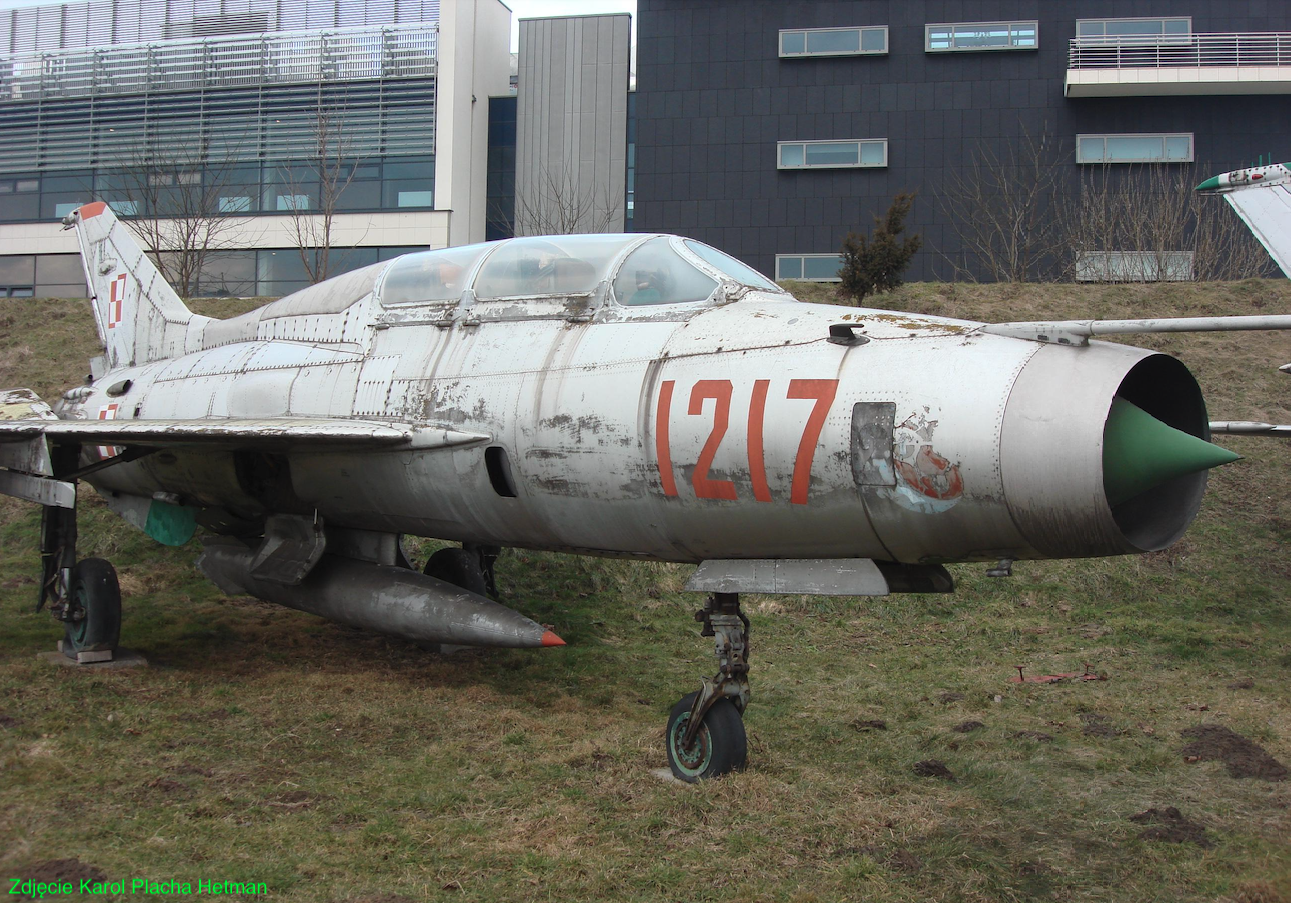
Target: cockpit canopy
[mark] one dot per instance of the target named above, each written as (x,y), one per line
(640,270)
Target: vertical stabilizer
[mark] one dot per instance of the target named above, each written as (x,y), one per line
(138,315)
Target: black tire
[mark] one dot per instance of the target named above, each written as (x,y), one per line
(720,746)
(460,568)
(96,600)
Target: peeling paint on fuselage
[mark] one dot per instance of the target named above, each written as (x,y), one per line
(574,405)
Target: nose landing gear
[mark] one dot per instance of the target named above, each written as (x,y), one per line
(705,736)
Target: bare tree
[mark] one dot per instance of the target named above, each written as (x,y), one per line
(328,170)
(1146,223)
(558,202)
(183,207)
(1001,206)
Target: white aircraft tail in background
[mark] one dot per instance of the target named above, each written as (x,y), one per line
(1261,196)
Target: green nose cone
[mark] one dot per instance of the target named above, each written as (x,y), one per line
(1140,452)
(1209,185)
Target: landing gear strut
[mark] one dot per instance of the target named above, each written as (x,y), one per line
(705,735)
(83,595)
(470,567)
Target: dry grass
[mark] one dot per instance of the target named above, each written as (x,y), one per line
(336,765)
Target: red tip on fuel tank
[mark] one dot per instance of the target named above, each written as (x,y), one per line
(550,639)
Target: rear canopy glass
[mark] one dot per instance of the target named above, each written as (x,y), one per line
(558,265)
(429,276)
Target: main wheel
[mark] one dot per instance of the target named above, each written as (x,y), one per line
(720,745)
(460,568)
(96,606)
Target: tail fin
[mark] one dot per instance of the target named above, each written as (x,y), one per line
(139,316)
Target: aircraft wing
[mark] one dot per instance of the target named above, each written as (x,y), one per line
(1267,213)
(298,433)
(1250,428)
(26,463)
(1079,332)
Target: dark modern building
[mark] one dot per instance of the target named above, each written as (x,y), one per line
(770,128)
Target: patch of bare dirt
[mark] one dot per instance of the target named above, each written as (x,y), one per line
(933,768)
(948,696)
(1258,892)
(166,786)
(62,870)
(967,727)
(7,721)
(1244,684)
(870,724)
(294,800)
(1244,758)
(1097,725)
(895,859)
(1169,825)
(903,860)
(1038,736)
(186,768)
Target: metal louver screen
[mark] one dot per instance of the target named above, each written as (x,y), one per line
(246,98)
(100,23)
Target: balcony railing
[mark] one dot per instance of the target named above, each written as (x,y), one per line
(1180,51)
(396,51)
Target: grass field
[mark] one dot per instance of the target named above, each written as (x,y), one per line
(265,745)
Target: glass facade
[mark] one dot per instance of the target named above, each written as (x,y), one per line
(269,273)
(362,185)
(499,215)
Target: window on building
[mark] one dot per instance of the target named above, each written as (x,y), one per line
(866,40)
(969,36)
(408,182)
(808,267)
(1134,148)
(1119,28)
(832,154)
(1134,266)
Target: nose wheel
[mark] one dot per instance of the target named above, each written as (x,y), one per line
(705,736)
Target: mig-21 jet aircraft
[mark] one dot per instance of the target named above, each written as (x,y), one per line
(643,396)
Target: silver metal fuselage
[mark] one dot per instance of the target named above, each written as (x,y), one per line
(636,432)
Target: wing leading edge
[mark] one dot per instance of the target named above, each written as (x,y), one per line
(300,433)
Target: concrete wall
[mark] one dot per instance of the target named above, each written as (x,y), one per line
(474,63)
(714,97)
(571,145)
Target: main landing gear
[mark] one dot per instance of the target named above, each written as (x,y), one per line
(83,595)
(705,735)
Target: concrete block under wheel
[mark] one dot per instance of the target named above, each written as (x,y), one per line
(121,658)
